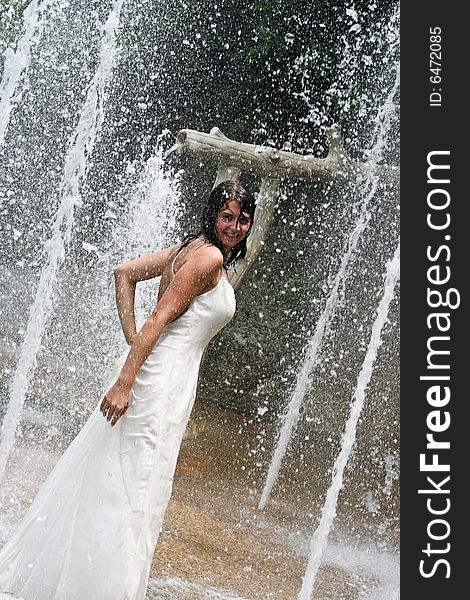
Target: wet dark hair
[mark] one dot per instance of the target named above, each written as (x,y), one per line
(219,197)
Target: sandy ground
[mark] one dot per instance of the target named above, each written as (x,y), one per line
(215,538)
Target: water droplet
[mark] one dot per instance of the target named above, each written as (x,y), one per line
(89,247)
(355,28)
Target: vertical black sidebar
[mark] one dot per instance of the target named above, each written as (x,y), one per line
(435,435)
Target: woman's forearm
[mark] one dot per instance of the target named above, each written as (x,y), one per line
(144,341)
(125,299)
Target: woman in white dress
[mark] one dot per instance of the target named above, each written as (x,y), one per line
(91,531)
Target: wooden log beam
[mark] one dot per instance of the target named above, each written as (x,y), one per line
(267,162)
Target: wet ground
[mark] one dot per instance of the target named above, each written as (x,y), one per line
(216,544)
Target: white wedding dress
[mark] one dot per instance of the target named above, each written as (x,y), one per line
(91,532)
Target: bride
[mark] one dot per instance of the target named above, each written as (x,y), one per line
(91,532)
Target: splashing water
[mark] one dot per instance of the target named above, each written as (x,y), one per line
(315,344)
(350,67)
(16,63)
(320,536)
(80,148)
(152,217)
(151,202)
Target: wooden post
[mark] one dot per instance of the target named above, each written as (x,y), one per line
(265,205)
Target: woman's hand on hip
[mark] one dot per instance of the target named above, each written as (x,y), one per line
(115,403)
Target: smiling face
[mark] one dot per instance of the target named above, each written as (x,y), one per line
(232,225)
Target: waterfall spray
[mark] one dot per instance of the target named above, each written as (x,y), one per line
(303,382)
(320,535)
(80,148)
(151,219)
(16,63)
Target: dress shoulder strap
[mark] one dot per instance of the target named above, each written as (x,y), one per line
(173,261)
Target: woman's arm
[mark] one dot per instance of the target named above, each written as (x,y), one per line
(125,298)
(192,279)
(126,277)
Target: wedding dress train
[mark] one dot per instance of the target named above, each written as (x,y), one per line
(91,531)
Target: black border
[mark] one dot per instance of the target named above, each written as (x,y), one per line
(424,129)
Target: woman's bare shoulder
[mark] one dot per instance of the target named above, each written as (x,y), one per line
(205,254)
